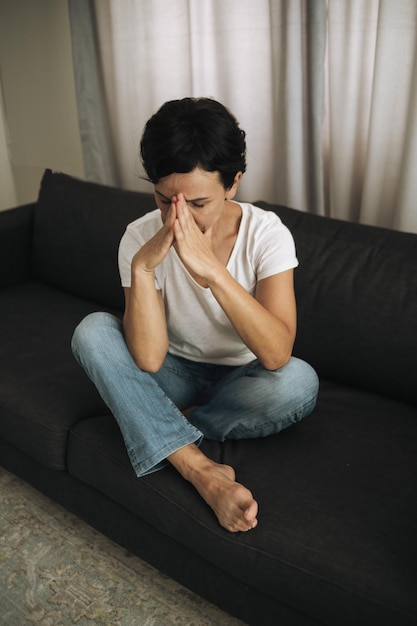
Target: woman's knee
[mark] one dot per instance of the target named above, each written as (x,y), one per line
(302,384)
(291,390)
(91,331)
(306,377)
(284,397)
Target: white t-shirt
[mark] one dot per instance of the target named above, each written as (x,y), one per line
(198,328)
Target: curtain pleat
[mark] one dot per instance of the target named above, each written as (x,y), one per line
(389,194)
(100,164)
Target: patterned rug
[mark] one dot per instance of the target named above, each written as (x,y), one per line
(57,570)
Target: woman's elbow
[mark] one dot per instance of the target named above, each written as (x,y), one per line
(149,365)
(274,361)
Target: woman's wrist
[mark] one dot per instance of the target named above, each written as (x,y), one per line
(139,272)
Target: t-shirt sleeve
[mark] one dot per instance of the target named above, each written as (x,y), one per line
(128,247)
(135,236)
(275,248)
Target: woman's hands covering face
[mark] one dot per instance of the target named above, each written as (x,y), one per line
(180,229)
(194,247)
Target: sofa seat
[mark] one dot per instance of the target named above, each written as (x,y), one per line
(43,391)
(325,527)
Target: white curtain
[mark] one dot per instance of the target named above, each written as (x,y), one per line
(8,196)
(326,91)
(371,140)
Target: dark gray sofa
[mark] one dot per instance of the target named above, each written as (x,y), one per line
(336,542)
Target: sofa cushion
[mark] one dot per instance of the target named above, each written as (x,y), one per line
(336,533)
(43,391)
(357,302)
(15,245)
(77,229)
(353,284)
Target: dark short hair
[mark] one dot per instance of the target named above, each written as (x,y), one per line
(193,132)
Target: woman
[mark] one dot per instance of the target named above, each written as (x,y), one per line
(204,349)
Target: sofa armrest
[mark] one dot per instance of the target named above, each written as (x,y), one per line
(16,228)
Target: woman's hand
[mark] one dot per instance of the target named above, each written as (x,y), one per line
(193,246)
(155,250)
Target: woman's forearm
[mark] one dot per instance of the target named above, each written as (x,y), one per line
(144,323)
(267,335)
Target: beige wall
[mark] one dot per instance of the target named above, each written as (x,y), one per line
(38,118)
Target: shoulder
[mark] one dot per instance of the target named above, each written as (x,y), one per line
(269,243)
(257,215)
(135,235)
(146,226)
(139,232)
(259,222)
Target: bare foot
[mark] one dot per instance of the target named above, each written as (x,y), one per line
(232,503)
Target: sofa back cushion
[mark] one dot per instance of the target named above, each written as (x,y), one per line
(356,290)
(77,229)
(356,285)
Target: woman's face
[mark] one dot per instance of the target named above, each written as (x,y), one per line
(203,192)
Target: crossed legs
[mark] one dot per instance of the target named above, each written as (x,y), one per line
(148,410)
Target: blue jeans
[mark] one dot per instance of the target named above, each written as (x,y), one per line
(230,402)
